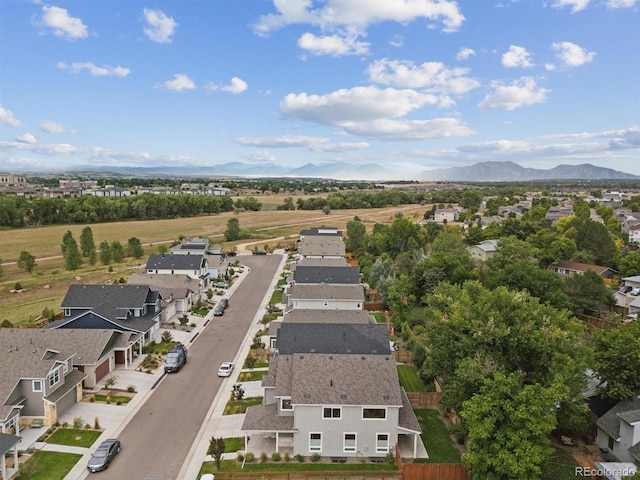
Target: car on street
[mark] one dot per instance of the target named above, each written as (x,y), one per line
(220,307)
(176,358)
(103,455)
(225,369)
(259,252)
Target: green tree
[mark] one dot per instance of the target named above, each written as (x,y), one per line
(105,252)
(86,241)
(216,449)
(287,204)
(26,261)
(72,256)
(588,292)
(593,237)
(509,423)
(232,231)
(117,251)
(65,238)
(629,264)
(356,236)
(93,256)
(134,248)
(617,360)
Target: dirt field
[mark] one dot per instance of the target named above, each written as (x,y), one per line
(47,285)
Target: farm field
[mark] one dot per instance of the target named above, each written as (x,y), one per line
(47,285)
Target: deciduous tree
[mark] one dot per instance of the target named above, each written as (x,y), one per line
(216,449)
(232,231)
(134,248)
(27,261)
(617,360)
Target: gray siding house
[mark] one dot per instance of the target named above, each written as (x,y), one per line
(346,275)
(325,297)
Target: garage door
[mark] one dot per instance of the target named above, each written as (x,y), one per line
(102,370)
(66,402)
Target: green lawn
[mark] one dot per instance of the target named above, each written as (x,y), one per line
(114,398)
(380,317)
(436,438)
(233,444)
(409,379)
(276,297)
(240,406)
(294,466)
(48,465)
(74,437)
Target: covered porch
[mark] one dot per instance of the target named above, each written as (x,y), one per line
(265,431)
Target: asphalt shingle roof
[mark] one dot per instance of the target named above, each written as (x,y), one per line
(326,274)
(120,296)
(304,315)
(610,421)
(333,338)
(175,262)
(311,291)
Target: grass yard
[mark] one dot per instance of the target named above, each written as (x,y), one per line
(48,466)
(409,379)
(113,398)
(561,466)
(380,317)
(233,444)
(436,438)
(294,466)
(252,376)
(74,437)
(276,297)
(240,406)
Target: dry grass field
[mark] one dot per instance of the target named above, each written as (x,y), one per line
(47,285)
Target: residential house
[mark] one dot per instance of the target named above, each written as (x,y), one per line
(179,292)
(8,444)
(447,215)
(566,268)
(619,430)
(194,266)
(319,262)
(556,213)
(320,231)
(354,338)
(633,282)
(334,405)
(133,308)
(346,275)
(321,246)
(327,297)
(484,250)
(37,381)
(634,233)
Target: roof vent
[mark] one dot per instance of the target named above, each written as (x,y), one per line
(307,395)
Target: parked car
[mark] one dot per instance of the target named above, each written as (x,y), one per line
(102,457)
(259,252)
(176,358)
(220,307)
(225,369)
(222,285)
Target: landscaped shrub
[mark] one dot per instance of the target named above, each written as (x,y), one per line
(287,456)
(78,422)
(275,457)
(315,457)
(299,458)
(249,457)
(263,457)
(240,458)
(92,399)
(131,388)
(96,423)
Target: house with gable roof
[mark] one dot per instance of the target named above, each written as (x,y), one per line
(37,379)
(133,308)
(344,275)
(324,296)
(335,405)
(619,430)
(565,268)
(179,292)
(484,250)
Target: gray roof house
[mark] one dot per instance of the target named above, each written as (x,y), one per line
(354,338)
(134,308)
(320,231)
(319,262)
(484,250)
(179,292)
(37,380)
(325,297)
(336,405)
(316,246)
(346,275)
(193,265)
(619,430)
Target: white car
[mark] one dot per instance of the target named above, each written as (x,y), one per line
(225,369)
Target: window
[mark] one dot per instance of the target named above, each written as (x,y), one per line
(286,404)
(54,377)
(382,443)
(374,413)
(610,444)
(329,412)
(349,442)
(65,367)
(315,442)
(37,385)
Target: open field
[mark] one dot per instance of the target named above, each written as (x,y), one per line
(47,285)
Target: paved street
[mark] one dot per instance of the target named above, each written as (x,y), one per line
(157,440)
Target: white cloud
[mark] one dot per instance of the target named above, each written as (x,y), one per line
(520,93)
(397,41)
(465,53)
(52,127)
(620,3)
(575,5)
(26,138)
(63,25)
(340,147)
(7,118)
(432,76)
(400,130)
(236,86)
(516,57)
(572,55)
(94,70)
(334,45)
(359,14)
(315,144)
(160,27)
(180,82)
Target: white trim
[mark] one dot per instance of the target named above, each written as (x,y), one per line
(313,448)
(344,442)
(382,449)
(33,385)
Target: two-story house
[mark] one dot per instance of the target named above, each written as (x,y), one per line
(619,431)
(179,292)
(134,308)
(324,296)
(345,275)
(335,405)
(484,250)
(37,381)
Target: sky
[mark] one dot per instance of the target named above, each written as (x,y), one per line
(411,85)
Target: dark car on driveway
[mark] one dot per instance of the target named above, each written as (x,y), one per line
(102,457)
(176,358)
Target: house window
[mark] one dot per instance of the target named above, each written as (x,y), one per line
(65,367)
(610,444)
(54,377)
(349,442)
(358,305)
(374,413)
(382,443)
(67,312)
(329,412)
(36,385)
(286,404)
(315,442)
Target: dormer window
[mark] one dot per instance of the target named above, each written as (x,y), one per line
(54,377)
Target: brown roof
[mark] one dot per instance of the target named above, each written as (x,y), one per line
(266,418)
(581,267)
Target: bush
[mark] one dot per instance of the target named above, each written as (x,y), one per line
(96,423)
(240,458)
(315,457)
(108,400)
(87,426)
(263,457)
(131,389)
(17,286)
(92,399)
(78,422)
(389,458)
(249,457)
(6,324)
(275,457)
(299,458)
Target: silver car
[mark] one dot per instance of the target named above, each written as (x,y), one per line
(102,457)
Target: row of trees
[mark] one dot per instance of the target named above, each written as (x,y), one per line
(501,335)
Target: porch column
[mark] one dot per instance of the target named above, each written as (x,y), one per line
(3,465)
(15,458)
(415,445)
(277,440)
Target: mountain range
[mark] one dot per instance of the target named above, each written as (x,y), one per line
(479,172)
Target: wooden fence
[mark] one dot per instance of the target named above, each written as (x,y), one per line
(313,475)
(424,399)
(595,322)
(431,471)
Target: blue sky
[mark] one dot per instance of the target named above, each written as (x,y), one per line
(408,84)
